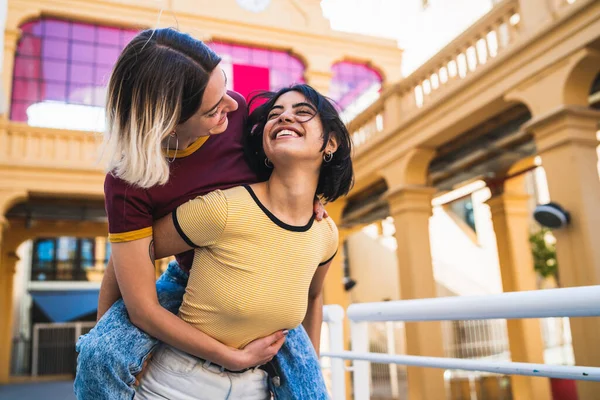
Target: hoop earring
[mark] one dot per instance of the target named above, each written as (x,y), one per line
(268,163)
(327,157)
(173,134)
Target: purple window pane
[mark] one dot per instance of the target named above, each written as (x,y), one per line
(25,90)
(109,35)
(106,55)
(83,33)
(26,67)
(82,74)
(37,28)
(296,64)
(240,55)
(18,111)
(102,75)
(350,80)
(56,28)
(127,36)
(82,52)
(260,57)
(55,48)
(54,71)
(29,45)
(280,60)
(55,91)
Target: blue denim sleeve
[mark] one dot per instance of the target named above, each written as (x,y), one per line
(112,353)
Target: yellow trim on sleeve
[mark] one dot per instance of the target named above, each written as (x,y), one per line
(189,150)
(130,236)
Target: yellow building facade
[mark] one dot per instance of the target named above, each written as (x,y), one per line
(520,82)
(60,52)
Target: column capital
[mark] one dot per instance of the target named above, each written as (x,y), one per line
(409,169)
(509,203)
(410,198)
(566,124)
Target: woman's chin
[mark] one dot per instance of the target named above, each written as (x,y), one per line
(217,130)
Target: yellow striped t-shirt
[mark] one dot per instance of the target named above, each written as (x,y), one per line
(251,272)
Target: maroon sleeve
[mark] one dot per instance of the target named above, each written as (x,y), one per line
(128,209)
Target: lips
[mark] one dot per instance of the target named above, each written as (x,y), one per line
(223,119)
(285,132)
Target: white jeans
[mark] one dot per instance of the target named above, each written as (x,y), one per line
(175,375)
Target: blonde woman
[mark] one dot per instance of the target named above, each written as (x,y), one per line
(174,133)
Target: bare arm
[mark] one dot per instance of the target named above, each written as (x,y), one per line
(314,313)
(135,274)
(109,290)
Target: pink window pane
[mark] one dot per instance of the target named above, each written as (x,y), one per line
(55,71)
(25,90)
(56,49)
(27,68)
(27,28)
(82,52)
(29,45)
(56,28)
(18,111)
(83,32)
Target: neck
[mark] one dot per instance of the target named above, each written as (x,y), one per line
(290,194)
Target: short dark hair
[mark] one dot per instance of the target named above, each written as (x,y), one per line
(336,177)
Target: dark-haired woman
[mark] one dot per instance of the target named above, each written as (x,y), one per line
(174,133)
(260,257)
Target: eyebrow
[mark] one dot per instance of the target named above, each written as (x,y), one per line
(217,105)
(296,106)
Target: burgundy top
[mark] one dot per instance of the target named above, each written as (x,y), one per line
(214,162)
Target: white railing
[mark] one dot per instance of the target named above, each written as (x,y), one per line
(333,316)
(567,302)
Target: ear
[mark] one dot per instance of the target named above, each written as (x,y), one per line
(332,144)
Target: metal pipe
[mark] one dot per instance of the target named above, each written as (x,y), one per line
(509,368)
(565,302)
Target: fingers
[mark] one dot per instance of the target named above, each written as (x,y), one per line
(276,337)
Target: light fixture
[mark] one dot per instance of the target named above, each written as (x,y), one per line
(349,283)
(551,215)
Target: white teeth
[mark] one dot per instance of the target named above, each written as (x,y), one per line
(286,132)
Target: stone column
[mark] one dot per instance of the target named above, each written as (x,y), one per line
(410,207)
(566,141)
(511,220)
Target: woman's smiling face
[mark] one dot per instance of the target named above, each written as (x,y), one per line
(293,130)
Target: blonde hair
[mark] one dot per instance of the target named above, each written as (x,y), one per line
(156,84)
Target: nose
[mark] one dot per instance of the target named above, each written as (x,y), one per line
(285,117)
(231,104)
